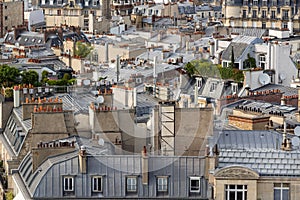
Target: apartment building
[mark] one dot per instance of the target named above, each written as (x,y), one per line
(92,16)
(265,14)
(8,11)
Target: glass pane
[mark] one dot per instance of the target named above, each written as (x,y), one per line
(99,184)
(195,183)
(66,183)
(245,193)
(240,187)
(71,184)
(239,196)
(231,195)
(276,194)
(232,186)
(285,194)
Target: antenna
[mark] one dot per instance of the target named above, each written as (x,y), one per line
(264,79)
(295,141)
(297,130)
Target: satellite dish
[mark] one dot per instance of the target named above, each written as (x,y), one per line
(297,130)
(295,141)
(101,142)
(264,79)
(100,100)
(86,82)
(282,76)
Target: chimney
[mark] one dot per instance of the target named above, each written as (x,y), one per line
(282,101)
(144,166)
(16,96)
(82,159)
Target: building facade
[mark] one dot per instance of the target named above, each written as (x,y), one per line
(91,16)
(266,14)
(8,11)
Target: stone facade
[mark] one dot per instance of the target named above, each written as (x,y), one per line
(262,14)
(8,11)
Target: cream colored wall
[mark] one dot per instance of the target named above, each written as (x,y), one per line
(52,20)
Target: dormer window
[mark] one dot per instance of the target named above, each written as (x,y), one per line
(255,2)
(86,3)
(26,39)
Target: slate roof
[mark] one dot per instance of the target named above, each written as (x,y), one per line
(255,32)
(238,49)
(258,150)
(46,181)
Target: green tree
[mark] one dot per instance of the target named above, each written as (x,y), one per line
(8,75)
(250,62)
(9,195)
(82,49)
(190,68)
(30,77)
(66,76)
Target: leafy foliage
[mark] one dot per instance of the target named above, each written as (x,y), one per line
(207,69)
(8,75)
(249,62)
(82,49)
(9,195)
(30,77)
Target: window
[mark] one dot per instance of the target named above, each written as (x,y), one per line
(263,25)
(284,25)
(234,88)
(285,14)
(5,17)
(244,24)
(131,184)
(244,13)
(97,183)
(281,191)
(194,184)
(236,192)
(264,3)
(273,15)
(262,61)
(68,183)
(213,87)
(162,184)
(254,14)
(273,25)
(255,2)
(264,14)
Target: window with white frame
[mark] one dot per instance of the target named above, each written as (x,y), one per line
(235,192)
(68,183)
(213,87)
(195,184)
(262,61)
(281,191)
(131,184)
(255,2)
(97,183)
(284,25)
(244,24)
(162,184)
